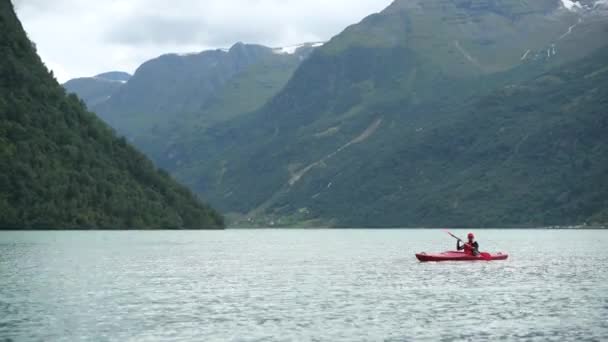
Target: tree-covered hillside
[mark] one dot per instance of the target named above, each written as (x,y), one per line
(61,167)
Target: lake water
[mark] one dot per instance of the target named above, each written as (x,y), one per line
(282,285)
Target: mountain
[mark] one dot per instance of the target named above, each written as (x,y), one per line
(174,97)
(173,87)
(97,89)
(61,167)
(434,112)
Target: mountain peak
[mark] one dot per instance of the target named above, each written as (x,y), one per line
(237,45)
(114,76)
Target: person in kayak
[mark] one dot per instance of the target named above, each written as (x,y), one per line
(471,247)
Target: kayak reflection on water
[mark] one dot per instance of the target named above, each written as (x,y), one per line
(471,247)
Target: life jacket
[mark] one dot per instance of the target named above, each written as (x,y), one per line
(468,249)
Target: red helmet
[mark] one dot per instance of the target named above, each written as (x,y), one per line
(471,236)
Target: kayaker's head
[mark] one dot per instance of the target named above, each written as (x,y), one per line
(471,237)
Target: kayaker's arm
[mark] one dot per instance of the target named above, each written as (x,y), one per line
(458,246)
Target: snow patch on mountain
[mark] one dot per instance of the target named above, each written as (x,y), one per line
(287,50)
(187,54)
(290,50)
(585,5)
(571,5)
(108,80)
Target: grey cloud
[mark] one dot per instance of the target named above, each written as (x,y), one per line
(122,34)
(221,23)
(225,38)
(157,30)
(48,6)
(34,4)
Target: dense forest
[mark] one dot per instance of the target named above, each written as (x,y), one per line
(61,167)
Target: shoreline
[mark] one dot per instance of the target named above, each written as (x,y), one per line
(300,228)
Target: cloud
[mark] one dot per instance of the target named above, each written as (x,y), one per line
(156,30)
(224,22)
(86,37)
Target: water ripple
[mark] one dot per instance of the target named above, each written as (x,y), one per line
(317,285)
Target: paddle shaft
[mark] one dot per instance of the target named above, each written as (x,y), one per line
(455,237)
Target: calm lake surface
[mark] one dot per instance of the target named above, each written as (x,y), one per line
(282,285)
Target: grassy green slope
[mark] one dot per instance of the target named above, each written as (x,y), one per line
(177,136)
(529,154)
(60,167)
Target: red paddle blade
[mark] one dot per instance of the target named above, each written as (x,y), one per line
(485,256)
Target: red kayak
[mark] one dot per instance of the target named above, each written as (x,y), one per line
(458,256)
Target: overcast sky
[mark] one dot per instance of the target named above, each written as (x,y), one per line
(86,37)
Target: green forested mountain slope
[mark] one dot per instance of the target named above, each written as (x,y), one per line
(61,167)
(437,112)
(528,154)
(173,86)
(237,96)
(174,98)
